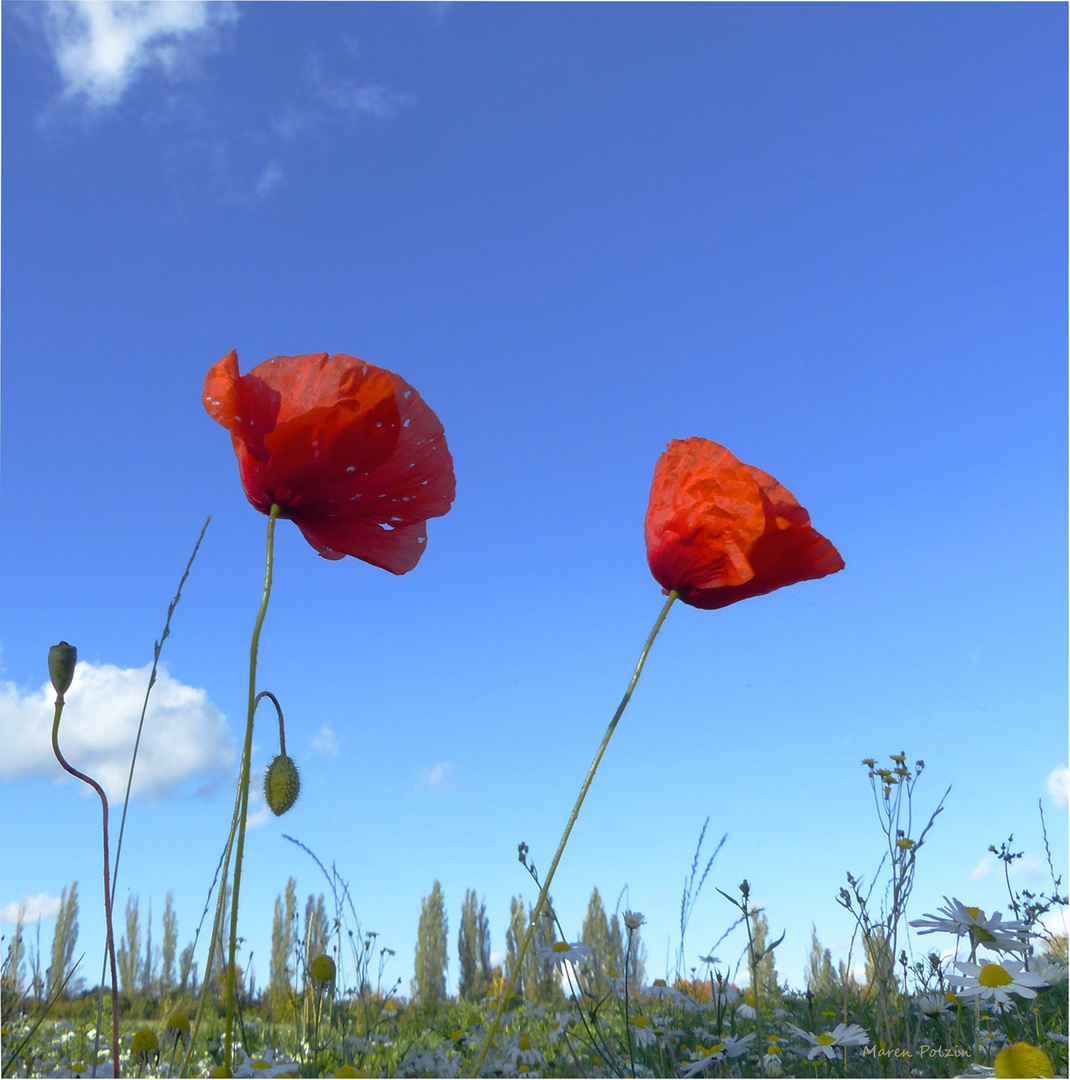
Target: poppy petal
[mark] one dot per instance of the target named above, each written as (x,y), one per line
(719,531)
(397,550)
(350,452)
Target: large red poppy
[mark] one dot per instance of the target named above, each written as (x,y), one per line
(718,531)
(350,452)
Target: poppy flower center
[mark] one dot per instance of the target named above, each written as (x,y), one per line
(994,975)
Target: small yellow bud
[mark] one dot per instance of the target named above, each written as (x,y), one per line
(145,1046)
(282,784)
(61,661)
(322,969)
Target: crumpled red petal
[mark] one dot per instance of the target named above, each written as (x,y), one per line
(719,531)
(350,452)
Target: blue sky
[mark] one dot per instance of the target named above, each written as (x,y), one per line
(830,237)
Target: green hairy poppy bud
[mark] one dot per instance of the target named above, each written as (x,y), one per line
(61,661)
(282,784)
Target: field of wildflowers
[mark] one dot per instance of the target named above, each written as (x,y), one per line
(357,460)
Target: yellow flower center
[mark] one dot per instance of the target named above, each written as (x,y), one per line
(660,982)
(1022,1059)
(974,912)
(642,1022)
(825,1040)
(525,1042)
(560,946)
(994,975)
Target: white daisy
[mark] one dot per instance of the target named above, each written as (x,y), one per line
(958,919)
(933,1005)
(643,1032)
(562,952)
(1051,971)
(827,1043)
(996,981)
(660,990)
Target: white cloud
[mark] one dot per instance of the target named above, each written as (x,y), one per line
(328,99)
(984,869)
(1056,922)
(1059,786)
(102,46)
(269,179)
(41,906)
(1029,867)
(325,742)
(437,778)
(185,735)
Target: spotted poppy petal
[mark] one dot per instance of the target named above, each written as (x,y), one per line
(397,550)
(350,452)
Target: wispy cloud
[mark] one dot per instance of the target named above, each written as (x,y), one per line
(1029,867)
(185,736)
(325,742)
(269,179)
(41,906)
(101,47)
(326,99)
(436,778)
(1059,786)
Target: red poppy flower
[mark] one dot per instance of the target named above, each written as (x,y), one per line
(718,531)
(350,452)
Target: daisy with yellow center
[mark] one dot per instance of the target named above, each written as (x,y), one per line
(1023,1059)
(958,919)
(828,1043)
(996,981)
(563,952)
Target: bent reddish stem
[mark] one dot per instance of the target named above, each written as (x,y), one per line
(107,882)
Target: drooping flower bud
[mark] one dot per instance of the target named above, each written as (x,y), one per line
(61,661)
(145,1047)
(282,784)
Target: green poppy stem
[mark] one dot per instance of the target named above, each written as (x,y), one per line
(243,779)
(507,991)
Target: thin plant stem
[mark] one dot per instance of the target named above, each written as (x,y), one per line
(278,709)
(243,811)
(508,989)
(158,648)
(107,876)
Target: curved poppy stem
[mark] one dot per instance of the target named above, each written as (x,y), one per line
(243,779)
(107,879)
(507,991)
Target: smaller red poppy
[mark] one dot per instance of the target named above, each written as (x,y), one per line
(718,531)
(350,452)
